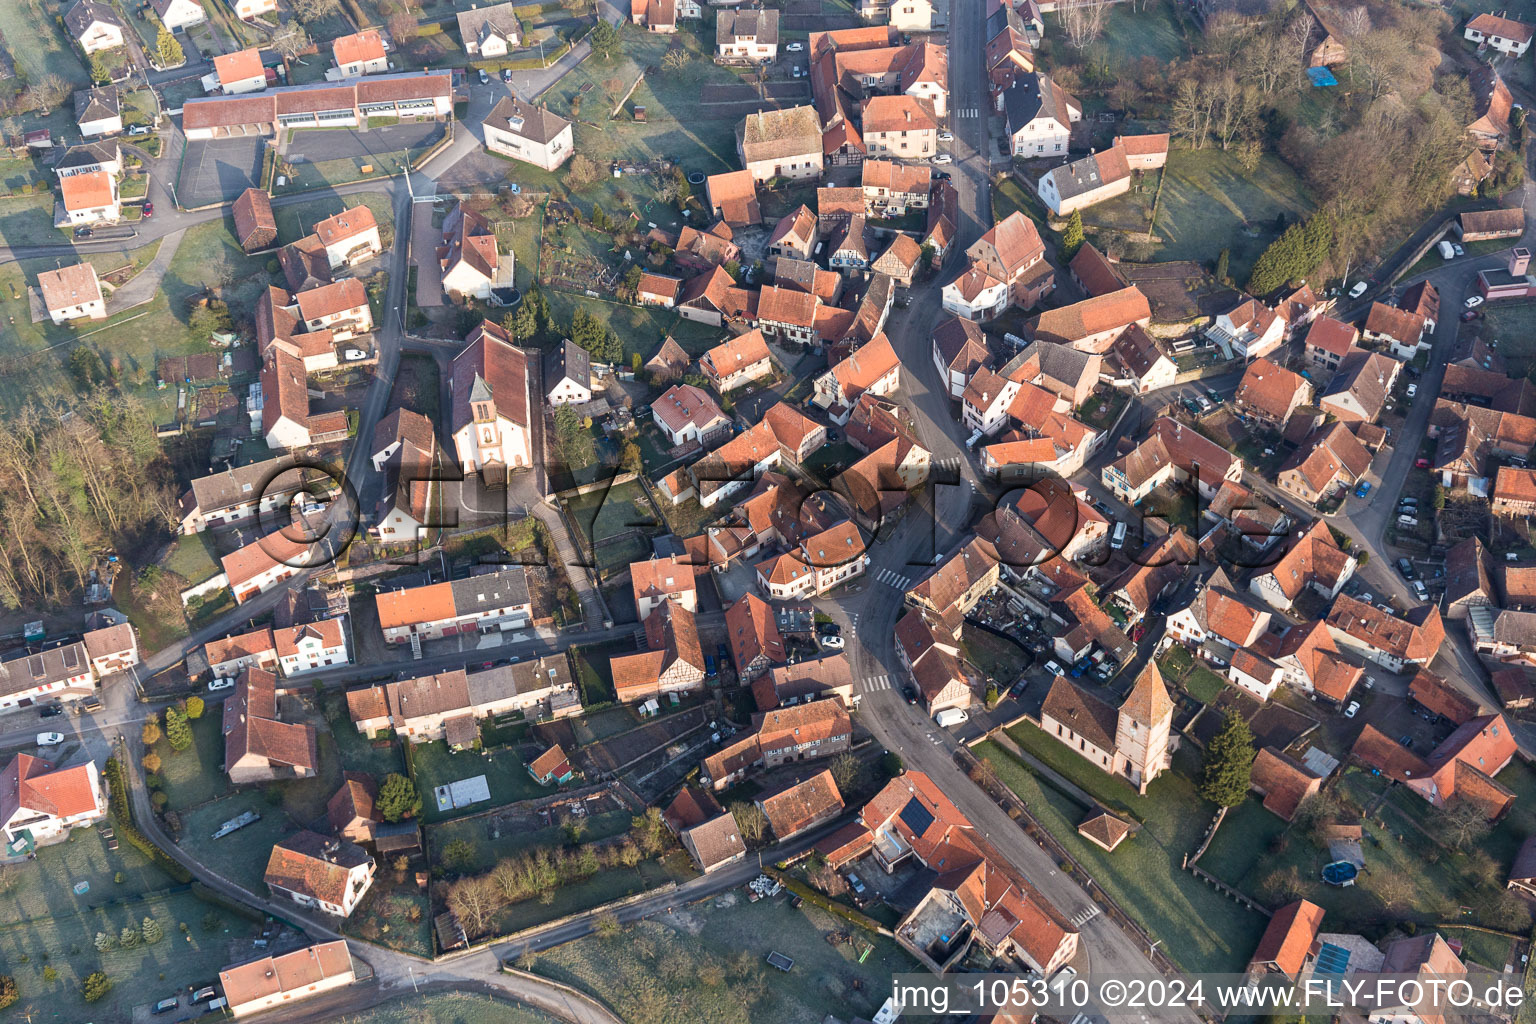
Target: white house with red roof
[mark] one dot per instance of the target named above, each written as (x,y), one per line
(39,802)
(470,263)
(686,414)
(235,73)
(361,53)
(311,646)
(1507,36)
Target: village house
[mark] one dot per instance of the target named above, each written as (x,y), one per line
(361,53)
(1481,225)
(658,579)
(1313,561)
(900,261)
(737,361)
(1138,362)
(872,369)
(1219,619)
(1092,324)
(706,830)
(493,600)
(98,112)
(801,806)
(230,656)
(1040,115)
(813,680)
(1464,766)
(264,563)
(1359,390)
(1249,330)
(41,803)
(311,646)
(567,374)
(1144,152)
(94,26)
(753,637)
(88,157)
(1328,342)
(1156,574)
(1269,394)
(780,144)
(824,560)
(658,290)
(319,873)
(245,10)
(1287,946)
(800,732)
(1391,641)
(1327,462)
(891,189)
(751,34)
(280,980)
(490,417)
(900,127)
(1514,492)
(1494,31)
(1400,330)
(673,659)
(72,293)
(959,351)
(340,307)
(89,199)
(349,237)
(236,493)
(1082,183)
(258,746)
(795,235)
(528,133)
(1171,452)
(178,15)
(236,73)
(490,31)
(687,415)
(732,197)
(1007,268)
(469,259)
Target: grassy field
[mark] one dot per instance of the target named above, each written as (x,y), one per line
(1200,929)
(488,848)
(192,777)
(705,962)
(191,558)
(28,220)
(1209,202)
(299,219)
(593,673)
(504,771)
(615,521)
(231,857)
(359,753)
(37,42)
(1002,660)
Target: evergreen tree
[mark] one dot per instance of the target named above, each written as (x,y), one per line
(177,732)
(1221,265)
(101,71)
(1295,254)
(1072,236)
(1228,761)
(152,931)
(169,49)
(397,798)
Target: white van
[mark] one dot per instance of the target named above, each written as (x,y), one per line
(1117,540)
(1407,521)
(1447,251)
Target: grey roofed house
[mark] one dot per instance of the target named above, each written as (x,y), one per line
(1058,362)
(799,273)
(235,486)
(97,104)
(1005,17)
(1517,629)
(762,25)
(1089,173)
(88,154)
(86,13)
(497,588)
(25,668)
(484,23)
(567,360)
(1032,96)
(515,117)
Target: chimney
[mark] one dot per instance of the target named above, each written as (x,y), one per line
(1519,261)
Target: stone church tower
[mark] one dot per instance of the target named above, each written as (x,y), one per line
(1143,732)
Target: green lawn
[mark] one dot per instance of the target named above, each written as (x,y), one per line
(704,962)
(1001,660)
(240,856)
(1209,202)
(1203,684)
(1153,31)
(504,771)
(593,673)
(28,220)
(489,848)
(1200,929)
(192,776)
(359,753)
(191,558)
(604,887)
(1513,325)
(36,42)
(616,522)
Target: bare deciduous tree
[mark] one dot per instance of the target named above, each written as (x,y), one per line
(475,902)
(1083,20)
(290,40)
(751,822)
(676,59)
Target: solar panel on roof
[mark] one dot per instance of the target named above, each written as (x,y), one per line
(916,816)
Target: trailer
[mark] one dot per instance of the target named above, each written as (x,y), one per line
(780,961)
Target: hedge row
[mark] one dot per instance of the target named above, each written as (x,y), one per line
(831,906)
(122,812)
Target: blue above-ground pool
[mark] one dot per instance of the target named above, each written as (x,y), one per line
(1340,872)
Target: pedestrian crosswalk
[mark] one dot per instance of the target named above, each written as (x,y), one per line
(968,112)
(893,579)
(1082,917)
(876,683)
(953,462)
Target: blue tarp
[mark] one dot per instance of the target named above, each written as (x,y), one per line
(1321,76)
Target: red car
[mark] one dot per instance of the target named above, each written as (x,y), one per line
(1420,463)
(149,210)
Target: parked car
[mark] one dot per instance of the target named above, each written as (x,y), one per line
(82,232)
(1363,489)
(49,739)
(1420,591)
(149,210)
(911,694)
(1352,710)
(1456,246)
(794,47)
(946,136)
(485,79)
(1358,290)
(1406,568)
(1420,463)
(1205,403)
(139,129)
(1468,315)
(1214,395)
(506,75)
(856,884)
(1413,390)
(941,175)
(167,1005)
(221,684)
(943,158)
(1053,668)
(50,710)
(832,643)
(1473,301)
(204,994)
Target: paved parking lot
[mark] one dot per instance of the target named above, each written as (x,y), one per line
(218,170)
(318,144)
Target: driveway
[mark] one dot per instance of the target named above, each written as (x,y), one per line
(218,170)
(424,242)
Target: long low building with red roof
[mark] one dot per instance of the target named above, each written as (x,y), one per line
(415,96)
(281,980)
(39,802)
